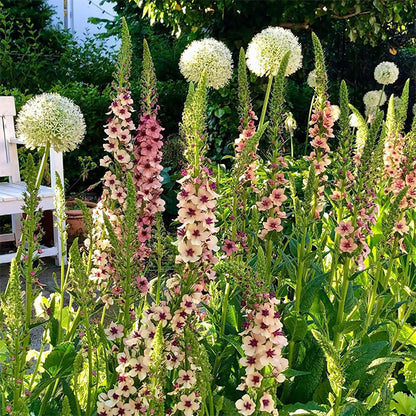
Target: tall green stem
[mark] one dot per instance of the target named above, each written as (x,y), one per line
(88,331)
(298,289)
(42,165)
(309,117)
(224,308)
(266,102)
(341,306)
(373,295)
(379,100)
(159,253)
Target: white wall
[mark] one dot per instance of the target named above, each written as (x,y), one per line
(78,13)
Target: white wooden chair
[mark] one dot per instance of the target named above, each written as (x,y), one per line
(11,192)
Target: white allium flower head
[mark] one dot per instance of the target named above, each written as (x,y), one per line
(267,49)
(335,111)
(312,79)
(208,55)
(353,120)
(372,98)
(386,73)
(51,118)
(397,103)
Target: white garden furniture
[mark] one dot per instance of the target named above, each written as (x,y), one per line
(11,192)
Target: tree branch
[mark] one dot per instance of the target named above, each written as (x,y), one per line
(290,25)
(347,16)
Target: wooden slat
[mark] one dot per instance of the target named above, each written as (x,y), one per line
(14,191)
(4,161)
(14,173)
(46,252)
(7,106)
(7,237)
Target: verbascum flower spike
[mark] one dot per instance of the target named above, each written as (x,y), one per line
(267,49)
(192,128)
(12,301)
(386,73)
(122,74)
(148,155)
(119,129)
(321,79)
(320,131)
(148,93)
(247,127)
(262,343)
(51,120)
(207,55)
(277,112)
(402,106)
(244,100)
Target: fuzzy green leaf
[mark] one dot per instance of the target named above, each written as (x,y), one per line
(60,360)
(296,326)
(310,290)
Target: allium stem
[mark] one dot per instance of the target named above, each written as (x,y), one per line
(42,165)
(379,100)
(266,102)
(309,117)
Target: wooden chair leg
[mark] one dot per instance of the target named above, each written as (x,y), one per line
(17,227)
(57,242)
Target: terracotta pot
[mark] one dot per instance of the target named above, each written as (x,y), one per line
(75,221)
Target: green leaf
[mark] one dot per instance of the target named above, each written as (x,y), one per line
(409,372)
(296,326)
(310,290)
(229,408)
(60,360)
(407,335)
(404,404)
(72,400)
(347,327)
(53,331)
(313,365)
(219,112)
(290,372)
(359,359)
(235,341)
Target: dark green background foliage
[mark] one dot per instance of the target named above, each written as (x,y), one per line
(37,57)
